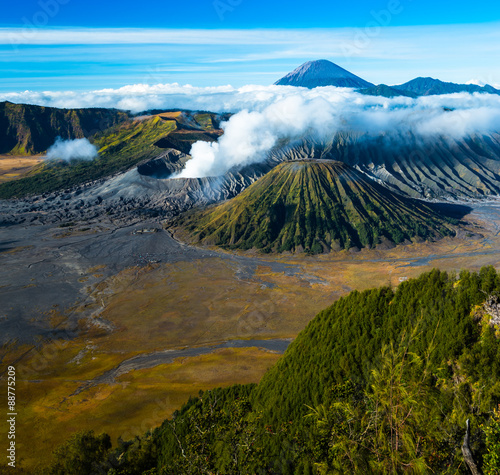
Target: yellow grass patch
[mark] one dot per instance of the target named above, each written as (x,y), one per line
(140,400)
(13,168)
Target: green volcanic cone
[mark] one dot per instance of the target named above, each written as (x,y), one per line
(315,206)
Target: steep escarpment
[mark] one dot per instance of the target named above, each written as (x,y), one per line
(432,167)
(28,129)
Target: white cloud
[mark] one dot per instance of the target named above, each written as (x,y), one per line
(101,36)
(250,135)
(182,36)
(475,82)
(141,97)
(406,43)
(78,149)
(448,52)
(266,114)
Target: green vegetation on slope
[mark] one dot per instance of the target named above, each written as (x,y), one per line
(120,148)
(122,142)
(314,206)
(380,382)
(27,129)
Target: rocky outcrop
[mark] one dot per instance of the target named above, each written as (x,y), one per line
(492,309)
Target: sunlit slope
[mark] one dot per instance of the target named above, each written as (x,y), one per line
(315,206)
(119,148)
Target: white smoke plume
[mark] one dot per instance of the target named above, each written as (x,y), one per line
(79,149)
(249,136)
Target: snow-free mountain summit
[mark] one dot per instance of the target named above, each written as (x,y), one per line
(325,73)
(322,73)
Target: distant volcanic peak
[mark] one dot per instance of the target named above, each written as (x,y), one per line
(322,73)
(426,86)
(314,206)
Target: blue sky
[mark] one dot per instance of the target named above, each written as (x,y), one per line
(85,45)
(246,13)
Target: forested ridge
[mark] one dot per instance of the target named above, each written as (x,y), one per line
(382,381)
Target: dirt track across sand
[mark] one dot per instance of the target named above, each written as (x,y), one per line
(150,360)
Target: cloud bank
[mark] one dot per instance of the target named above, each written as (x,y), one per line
(141,97)
(79,149)
(264,115)
(250,135)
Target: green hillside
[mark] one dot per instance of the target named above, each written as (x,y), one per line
(314,206)
(27,129)
(380,382)
(122,142)
(120,148)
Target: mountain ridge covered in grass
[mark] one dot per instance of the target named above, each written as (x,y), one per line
(120,147)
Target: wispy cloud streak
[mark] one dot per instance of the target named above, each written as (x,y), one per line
(393,55)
